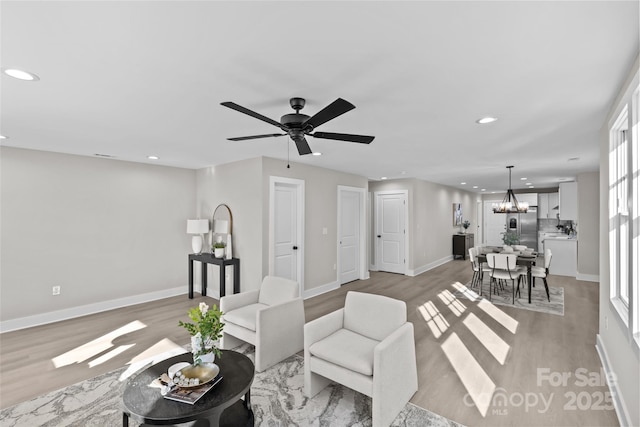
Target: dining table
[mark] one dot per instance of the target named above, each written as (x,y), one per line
(522,259)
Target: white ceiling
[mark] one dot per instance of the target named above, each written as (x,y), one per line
(131,79)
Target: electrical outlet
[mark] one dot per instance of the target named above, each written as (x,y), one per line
(324,231)
(335,266)
(56,290)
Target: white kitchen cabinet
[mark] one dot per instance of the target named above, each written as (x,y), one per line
(546,203)
(564,256)
(554,201)
(543,205)
(531,198)
(568,196)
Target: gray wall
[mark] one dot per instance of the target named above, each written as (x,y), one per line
(238,185)
(615,341)
(244,186)
(430,227)
(102,229)
(588,219)
(321,210)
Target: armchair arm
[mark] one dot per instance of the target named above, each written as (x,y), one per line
(395,375)
(231,302)
(322,327)
(279,332)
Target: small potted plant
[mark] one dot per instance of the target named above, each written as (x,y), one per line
(205,331)
(510,238)
(465,224)
(218,249)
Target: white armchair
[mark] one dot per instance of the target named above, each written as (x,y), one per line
(271,318)
(368,346)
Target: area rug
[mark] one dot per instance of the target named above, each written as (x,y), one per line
(538,298)
(276,398)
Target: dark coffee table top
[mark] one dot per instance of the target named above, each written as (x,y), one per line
(145,404)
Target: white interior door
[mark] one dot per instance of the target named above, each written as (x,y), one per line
(287,204)
(494,224)
(390,232)
(349,223)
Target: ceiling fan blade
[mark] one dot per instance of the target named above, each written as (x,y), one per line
(244,138)
(248,112)
(302,145)
(331,111)
(362,139)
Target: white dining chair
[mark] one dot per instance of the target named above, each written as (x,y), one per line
(478,269)
(504,267)
(543,272)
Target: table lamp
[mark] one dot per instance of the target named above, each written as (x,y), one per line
(197,227)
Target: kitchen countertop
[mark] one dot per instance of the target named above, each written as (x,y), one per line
(571,239)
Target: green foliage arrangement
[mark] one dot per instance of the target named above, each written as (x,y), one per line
(206,327)
(466,224)
(510,238)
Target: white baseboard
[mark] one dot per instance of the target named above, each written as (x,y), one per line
(429,266)
(588,277)
(83,310)
(318,290)
(618,404)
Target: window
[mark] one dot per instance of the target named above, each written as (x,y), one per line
(624,213)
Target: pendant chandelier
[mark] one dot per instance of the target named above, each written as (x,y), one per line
(510,204)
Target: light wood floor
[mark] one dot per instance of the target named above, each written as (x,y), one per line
(472,347)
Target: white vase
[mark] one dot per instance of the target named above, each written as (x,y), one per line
(207,358)
(218,252)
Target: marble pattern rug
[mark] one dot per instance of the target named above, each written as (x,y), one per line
(277,399)
(539,300)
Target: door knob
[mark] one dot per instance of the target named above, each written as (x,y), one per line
(379,236)
(295,248)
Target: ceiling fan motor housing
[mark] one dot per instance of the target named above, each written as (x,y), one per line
(293,120)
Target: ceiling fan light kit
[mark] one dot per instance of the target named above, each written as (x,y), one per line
(510,204)
(297,125)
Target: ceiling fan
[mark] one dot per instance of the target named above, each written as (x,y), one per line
(298,125)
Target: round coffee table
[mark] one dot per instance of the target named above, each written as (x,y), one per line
(221,406)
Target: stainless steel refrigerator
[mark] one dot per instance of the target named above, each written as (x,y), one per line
(526,226)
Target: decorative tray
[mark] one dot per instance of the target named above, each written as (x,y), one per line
(192,376)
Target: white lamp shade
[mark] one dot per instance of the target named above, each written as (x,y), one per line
(197,226)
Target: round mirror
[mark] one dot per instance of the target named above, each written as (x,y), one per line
(222,221)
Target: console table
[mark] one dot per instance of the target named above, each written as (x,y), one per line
(461,245)
(205,259)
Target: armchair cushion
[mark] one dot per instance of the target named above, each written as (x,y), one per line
(373,316)
(347,349)
(275,290)
(244,316)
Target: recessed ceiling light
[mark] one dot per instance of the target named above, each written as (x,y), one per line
(317,153)
(383,178)
(3,137)
(523,179)
(493,192)
(484,189)
(463,183)
(20,74)
(153,157)
(475,186)
(485,120)
(528,183)
(531,186)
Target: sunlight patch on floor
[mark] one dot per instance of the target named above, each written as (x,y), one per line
(161,350)
(489,339)
(97,346)
(478,384)
(113,353)
(468,293)
(436,322)
(452,302)
(499,316)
